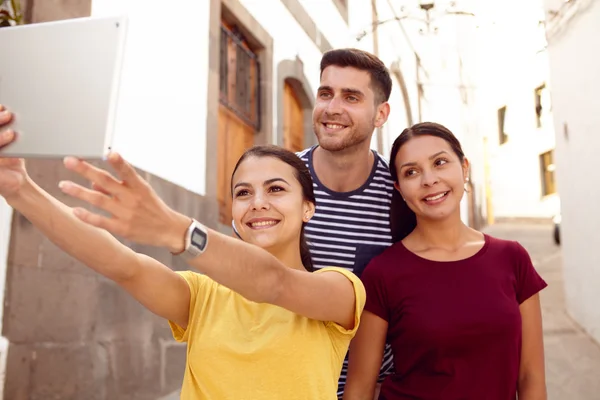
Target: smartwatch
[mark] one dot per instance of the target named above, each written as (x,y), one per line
(196,239)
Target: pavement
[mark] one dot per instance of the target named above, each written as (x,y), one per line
(572,357)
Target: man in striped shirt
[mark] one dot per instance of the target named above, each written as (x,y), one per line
(352,183)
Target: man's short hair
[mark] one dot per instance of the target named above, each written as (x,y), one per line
(381,82)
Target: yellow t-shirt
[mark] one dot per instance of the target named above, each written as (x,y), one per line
(242,350)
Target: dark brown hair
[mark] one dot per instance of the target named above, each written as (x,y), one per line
(301,173)
(402,219)
(381,82)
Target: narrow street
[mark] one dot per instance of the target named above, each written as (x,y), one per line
(572,358)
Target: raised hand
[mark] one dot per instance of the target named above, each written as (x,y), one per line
(12,170)
(136,211)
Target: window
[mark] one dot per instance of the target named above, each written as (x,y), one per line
(547,168)
(239,109)
(502,136)
(238,77)
(540,103)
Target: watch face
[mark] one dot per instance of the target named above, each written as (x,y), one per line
(199,238)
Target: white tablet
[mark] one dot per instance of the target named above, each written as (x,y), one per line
(61,80)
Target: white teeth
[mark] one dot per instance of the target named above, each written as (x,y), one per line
(334,126)
(439,196)
(263,223)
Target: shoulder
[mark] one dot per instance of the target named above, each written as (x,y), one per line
(191,277)
(351,276)
(359,288)
(303,154)
(510,248)
(382,162)
(382,171)
(196,281)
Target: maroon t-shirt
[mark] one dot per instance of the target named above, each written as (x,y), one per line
(454,327)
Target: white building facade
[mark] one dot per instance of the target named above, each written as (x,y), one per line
(573,35)
(515,112)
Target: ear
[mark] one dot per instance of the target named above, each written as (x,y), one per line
(383,112)
(465,166)
(397,187)
(308,211)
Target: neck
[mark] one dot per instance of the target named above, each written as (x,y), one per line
(447,233)
(345,170)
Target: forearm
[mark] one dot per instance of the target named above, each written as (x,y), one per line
(94,247)
(244,268)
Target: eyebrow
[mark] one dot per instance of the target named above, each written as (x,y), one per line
(266,183)
(344,90)
(412,164)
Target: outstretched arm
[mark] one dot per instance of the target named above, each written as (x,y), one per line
(138,214)
(154,285)
(158,288)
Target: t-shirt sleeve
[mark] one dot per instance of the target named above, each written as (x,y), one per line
(375,288)
(359,300)
(529,282)
(199,285)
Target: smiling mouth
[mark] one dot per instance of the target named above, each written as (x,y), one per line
(334,127)
(262,224)
(436,198)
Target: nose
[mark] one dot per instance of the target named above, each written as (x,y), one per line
(429,178)
(260,202)
(334,106)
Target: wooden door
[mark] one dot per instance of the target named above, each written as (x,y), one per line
(235,137)
(293,120)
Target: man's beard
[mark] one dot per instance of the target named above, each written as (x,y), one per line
(346,142)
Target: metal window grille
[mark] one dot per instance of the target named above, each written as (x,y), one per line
(239,75)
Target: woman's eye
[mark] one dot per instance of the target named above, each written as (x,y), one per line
(410,172)
(242,192)
(276,189)
(440,161)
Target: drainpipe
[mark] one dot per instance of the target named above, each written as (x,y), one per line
(375,20)
(397,72)
(6,216)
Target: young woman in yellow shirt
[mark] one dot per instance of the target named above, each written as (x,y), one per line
(258,323)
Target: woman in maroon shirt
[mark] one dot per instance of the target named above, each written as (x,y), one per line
(460,308)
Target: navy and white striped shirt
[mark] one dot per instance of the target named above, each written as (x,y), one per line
(349,229)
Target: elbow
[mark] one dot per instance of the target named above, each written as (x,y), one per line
(532,387)
(126,267)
